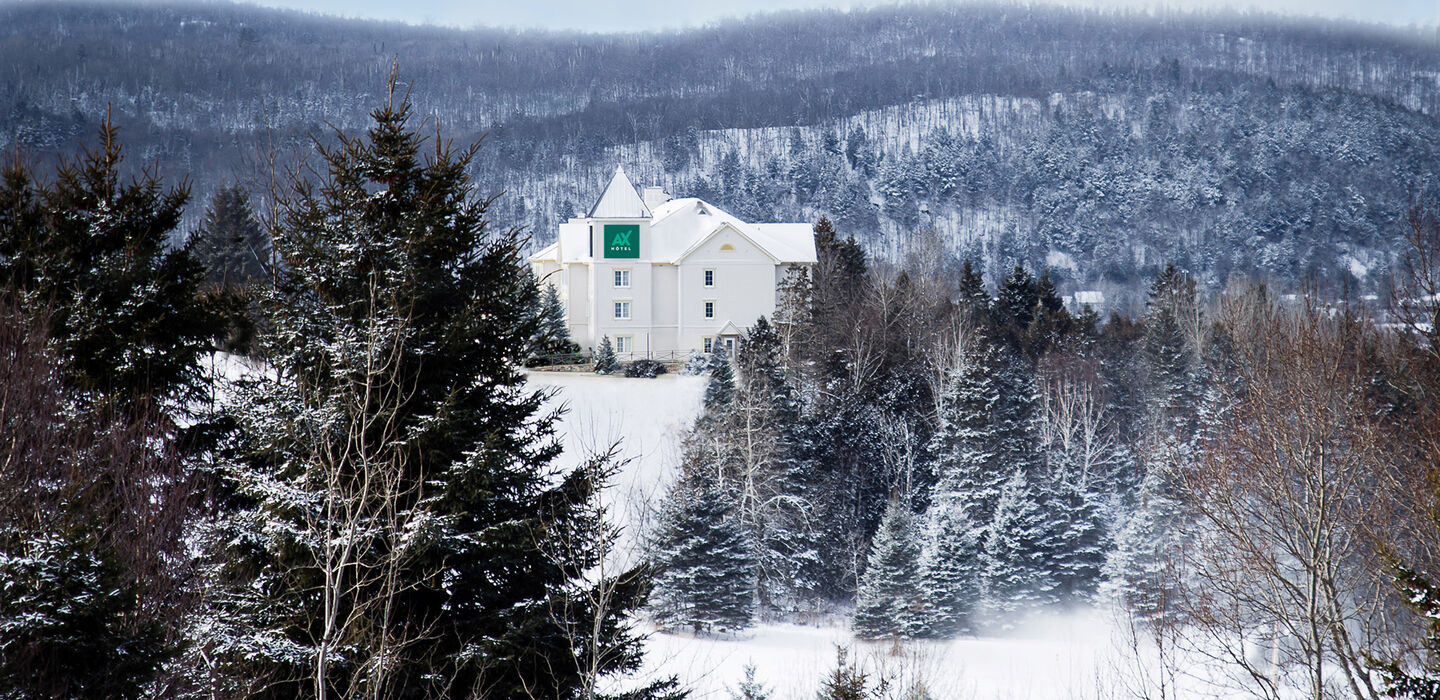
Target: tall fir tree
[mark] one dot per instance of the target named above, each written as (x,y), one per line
(396,525)
(1170,361)
(553,336)
(1017,580)
(771,476)
(102,327)
(720,389)
(1016,418)
(230,243)
(1015,300)
(1078,540)
(889,603)
(973,297)
(967,489)
(705,562)
(92,255)
(1139,571)
(951,566)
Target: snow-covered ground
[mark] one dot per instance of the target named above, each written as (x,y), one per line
(645,418)
(1076,656)
(1068,658)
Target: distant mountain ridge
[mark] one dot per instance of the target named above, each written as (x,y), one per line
(1111,141)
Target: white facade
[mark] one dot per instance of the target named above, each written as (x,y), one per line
(664,277)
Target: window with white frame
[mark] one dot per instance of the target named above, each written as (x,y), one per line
(622,310)
(709,278)
(709,309)
(622,279)
(709,344)
(624,343)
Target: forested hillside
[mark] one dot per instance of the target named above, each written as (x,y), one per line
(1099,144)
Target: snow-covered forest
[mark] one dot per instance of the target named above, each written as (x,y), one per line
(279,436)
(1108,143)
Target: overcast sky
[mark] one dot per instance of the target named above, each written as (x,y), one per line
(622,15)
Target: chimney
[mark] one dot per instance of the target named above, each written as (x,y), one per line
(655,196)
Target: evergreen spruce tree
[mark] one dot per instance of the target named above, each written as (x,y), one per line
(965,446)
(706,565)
(102,327)
(1015,420)
(605,360)
(950,571)
(720,391)
(973,298)
(889,603)
(1015,301)
(1078,539)
(1170,362)
(92,256)
(1052,323)
(1017,579)
(396,526)
(553,337)
(770,470)
(1138,572)
(967,488)
(230,243)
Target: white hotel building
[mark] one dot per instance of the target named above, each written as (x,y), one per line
(663,277)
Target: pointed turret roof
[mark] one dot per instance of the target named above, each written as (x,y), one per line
(619,200)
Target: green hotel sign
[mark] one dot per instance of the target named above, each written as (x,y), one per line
(622,240)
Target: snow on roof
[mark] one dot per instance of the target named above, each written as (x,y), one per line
(550,253)
(619,200)
(681,226)
(678,228)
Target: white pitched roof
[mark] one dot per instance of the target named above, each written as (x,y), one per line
(619,200)
(678,228)
(550,253)
(682,225)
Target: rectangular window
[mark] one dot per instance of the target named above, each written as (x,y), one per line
(624,343)
(709,278)
(709,309)
(622,279)
(709,344)
(622,309)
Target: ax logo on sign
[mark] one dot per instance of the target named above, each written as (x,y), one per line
(622,241)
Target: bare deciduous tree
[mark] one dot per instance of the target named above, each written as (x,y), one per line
(1281,579)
